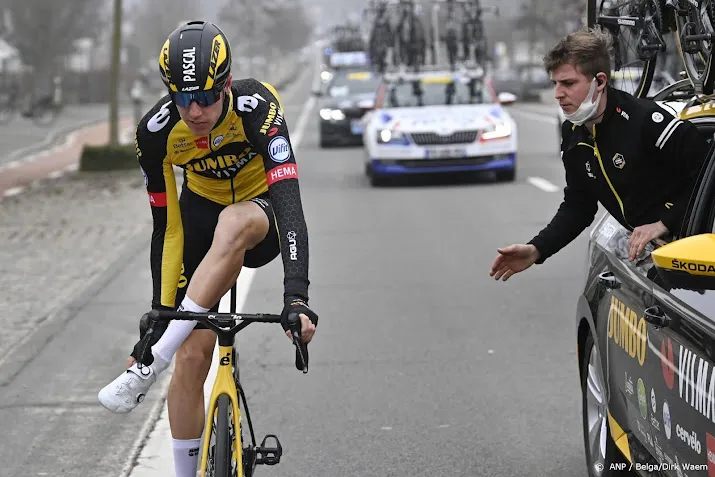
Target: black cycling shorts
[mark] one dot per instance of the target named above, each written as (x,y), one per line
(199,218)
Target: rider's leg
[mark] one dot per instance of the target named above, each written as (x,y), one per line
(215,238)
(240,227)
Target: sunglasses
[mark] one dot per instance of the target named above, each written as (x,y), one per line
(203,98)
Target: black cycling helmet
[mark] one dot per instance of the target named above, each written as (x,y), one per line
(196,57)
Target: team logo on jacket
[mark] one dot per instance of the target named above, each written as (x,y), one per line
(657,117)
(618,160)
(279,149)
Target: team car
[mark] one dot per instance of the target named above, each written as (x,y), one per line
(646,341)
(348,96)
(439,121)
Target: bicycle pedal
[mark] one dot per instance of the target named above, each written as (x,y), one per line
(269,455)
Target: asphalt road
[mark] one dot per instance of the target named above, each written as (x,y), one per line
(422,365)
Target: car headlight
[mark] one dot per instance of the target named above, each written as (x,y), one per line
(388,136)
(332,114)
(499,131)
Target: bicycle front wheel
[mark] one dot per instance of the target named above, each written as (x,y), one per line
(223,450)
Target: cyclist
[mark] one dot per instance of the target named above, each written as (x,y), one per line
(632,155)
(240,205)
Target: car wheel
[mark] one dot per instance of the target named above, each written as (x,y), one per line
(506,176)
(601,450)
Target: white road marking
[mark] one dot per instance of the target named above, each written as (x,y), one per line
(152,454)
(542,184)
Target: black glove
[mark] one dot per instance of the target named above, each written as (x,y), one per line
(298,306)
(290,320)
(142,350)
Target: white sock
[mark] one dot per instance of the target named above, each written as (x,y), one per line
(186,456)
(175,334)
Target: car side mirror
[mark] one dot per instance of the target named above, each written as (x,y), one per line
(506,98)
(688,263)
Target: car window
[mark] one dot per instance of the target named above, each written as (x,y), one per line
(356,82)
(436,92)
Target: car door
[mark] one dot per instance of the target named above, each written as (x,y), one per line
(625,291)
(685,344)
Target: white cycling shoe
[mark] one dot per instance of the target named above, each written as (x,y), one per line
(128,390)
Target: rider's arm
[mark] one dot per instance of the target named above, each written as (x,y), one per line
(682,151)
(167,240)
(576,212)
(273,143)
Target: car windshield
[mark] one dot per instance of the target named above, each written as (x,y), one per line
(436,92)
(356,82)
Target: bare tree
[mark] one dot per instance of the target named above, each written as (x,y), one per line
(257,28)
(152,22)
(44,32)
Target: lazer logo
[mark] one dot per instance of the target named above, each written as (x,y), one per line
(692,267)
(189,59)
(215,50)
(292,245)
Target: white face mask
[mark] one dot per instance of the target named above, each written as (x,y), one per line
(587,109)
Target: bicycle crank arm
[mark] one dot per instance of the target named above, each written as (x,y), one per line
(269,455)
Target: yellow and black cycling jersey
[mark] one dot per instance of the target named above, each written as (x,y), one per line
(246,154)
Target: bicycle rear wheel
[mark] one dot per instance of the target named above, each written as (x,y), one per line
(636,30)
(697,55)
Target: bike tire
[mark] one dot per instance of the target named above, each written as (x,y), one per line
(223,454)
(705,78)
(647,70)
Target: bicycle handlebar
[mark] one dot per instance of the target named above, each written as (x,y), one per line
(235,323)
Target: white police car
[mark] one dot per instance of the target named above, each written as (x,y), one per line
(439,121)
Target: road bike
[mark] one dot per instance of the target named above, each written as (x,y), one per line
(639,29)
(225,453)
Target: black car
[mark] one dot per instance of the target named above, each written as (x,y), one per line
(348,96)
(646,343)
